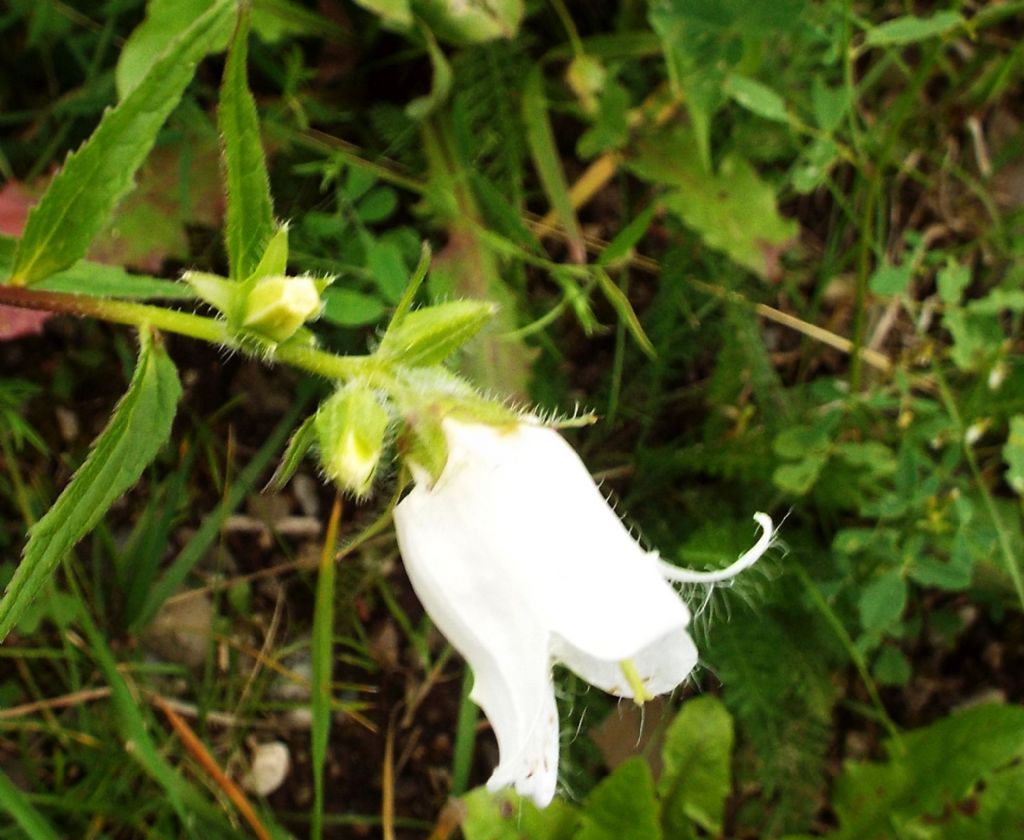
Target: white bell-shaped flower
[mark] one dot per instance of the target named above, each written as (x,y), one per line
(520,562)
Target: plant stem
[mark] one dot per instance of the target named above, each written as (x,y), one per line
(1002,532)
(855,655)
(319,362)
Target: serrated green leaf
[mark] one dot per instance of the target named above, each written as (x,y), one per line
(250,212)
(81,196)
(140,425)
(733,210)
(506,816)
(697,775)
(164,21)
(931,771)
(910,29)
(623,805)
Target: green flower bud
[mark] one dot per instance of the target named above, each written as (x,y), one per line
(428,336)
(277,306)
(351,427)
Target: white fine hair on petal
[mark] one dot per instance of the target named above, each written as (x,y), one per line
(745,560)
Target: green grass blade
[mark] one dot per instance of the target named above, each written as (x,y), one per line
(323,670)
(208,532)
(139,426)
(250,213)
(186,801)
(29,820)
(548,161)
(93,179)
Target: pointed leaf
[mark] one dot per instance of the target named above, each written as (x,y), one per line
(697,759)
(623,805)
(93,179)
(140,425)
(250,216)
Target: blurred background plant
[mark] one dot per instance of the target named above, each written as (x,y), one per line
(774,245)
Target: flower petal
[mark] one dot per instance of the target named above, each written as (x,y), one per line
(661,665)
(552,531)
(492,623)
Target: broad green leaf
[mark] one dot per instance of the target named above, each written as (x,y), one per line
(546,158)
(81,196)
(756,97)
(25,816)
(272,20)
(830,104)
(164,21)
(799,477)
(623,805)
(891,279)
(882,602)
(505,816)
(1013,454)
(892,667)
(733,210)
(997,811)
(349,308)
(385,262)
(98,280)
(250,213)
(952,280)
(139,427)
(910,29)
(930,772)
(697,775)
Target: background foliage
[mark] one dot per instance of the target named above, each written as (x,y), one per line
(774,245)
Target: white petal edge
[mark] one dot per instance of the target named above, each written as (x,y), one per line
(745,561)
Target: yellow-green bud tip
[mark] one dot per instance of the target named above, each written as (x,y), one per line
(277,306)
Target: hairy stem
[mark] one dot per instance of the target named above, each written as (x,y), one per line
(319,362)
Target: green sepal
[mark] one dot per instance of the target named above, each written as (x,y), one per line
(429,336)
(213,289)
(423,444)
(276,307)
(299,444)
(351,427)
(275,256)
